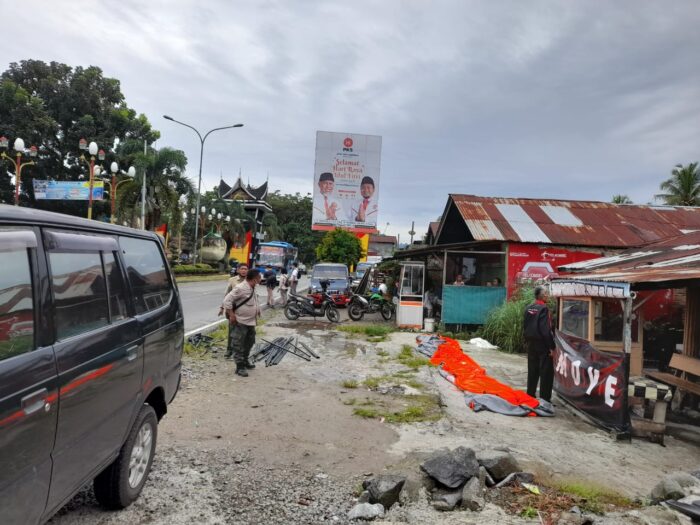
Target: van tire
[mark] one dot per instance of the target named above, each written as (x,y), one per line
(112,488)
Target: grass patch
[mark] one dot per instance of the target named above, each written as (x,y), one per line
(407,358)
(374,333)
(382,353)
(529,513)
(220,340)
(372,382)
(369,413)
(592,497)
(415,409)
(350,383)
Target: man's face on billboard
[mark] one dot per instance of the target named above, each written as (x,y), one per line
(366,190)
(326,187)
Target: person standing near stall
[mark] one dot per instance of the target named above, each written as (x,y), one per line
(539,342)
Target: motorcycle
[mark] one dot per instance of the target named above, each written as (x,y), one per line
(299,306)
(360,305)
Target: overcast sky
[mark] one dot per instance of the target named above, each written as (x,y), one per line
(569,99)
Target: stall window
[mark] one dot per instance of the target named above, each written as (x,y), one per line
(412,283)
(574,317)
(79,291)
(16,303)
(146,273)
(607,321)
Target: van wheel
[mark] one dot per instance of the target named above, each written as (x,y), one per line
(120,483)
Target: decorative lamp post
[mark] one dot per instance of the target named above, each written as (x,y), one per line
(201,157)
(92,151)
(114,185)
(17,161)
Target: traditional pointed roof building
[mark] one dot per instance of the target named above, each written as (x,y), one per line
(254,203)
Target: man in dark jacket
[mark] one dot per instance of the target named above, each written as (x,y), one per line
(539,341)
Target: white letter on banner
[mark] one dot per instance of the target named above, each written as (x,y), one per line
(593,376)
(576,372)
(561,364)
(610,390)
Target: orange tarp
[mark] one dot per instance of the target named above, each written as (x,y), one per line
(471,377)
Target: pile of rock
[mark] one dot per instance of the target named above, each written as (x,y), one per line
(460,477)
(379,494)
(452,478)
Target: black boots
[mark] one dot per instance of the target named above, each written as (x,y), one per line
(241,371)
(249,366)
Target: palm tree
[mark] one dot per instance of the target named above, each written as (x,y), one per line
(271,227)
(621,199)
(683,188)
(165,184)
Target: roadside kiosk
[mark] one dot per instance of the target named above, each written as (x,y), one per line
(410,295)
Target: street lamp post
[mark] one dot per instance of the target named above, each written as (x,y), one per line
(93,151)
(201,157)
(114,168)
(17,161)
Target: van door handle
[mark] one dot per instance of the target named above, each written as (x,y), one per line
(34,402)
(132,353)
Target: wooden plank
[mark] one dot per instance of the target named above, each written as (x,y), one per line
(685,364)
(670,379)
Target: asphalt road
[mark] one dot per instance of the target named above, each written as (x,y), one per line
(201,300)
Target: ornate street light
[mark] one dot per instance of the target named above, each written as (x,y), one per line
(92,151)
(17,161)
(114,185)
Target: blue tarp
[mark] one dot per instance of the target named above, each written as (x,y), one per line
(470,304)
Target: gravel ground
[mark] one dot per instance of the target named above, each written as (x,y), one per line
(283,446)
(221,487)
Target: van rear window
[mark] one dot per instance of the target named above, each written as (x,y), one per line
(146,272)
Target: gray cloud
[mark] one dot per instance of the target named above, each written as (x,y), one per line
(538,99)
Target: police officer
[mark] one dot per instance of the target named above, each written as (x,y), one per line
(539,341)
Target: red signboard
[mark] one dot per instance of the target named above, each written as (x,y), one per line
(530,262)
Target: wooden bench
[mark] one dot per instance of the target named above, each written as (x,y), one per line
(680,363)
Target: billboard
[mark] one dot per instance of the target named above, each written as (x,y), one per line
(346,182)
(67,190)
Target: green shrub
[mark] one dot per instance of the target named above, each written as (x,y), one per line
(195,269)
(504,325)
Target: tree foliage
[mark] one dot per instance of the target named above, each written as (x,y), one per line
(339,246)
(621,199)
(165,184)
(683,188)
(293,214)
(53,105)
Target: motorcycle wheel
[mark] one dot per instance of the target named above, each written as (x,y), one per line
(291,312)
(355,312)
(387,311)
(332,314)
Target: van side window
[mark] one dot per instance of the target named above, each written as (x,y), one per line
(80,295)
(16,303)
(146,273)
(115,288)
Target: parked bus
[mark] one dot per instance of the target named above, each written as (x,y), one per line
(277,254)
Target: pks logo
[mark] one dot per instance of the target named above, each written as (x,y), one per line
(347,144)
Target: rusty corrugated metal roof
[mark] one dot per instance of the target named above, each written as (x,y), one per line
(576,223)
(674,259)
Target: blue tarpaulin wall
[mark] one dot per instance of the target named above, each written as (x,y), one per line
(470,304)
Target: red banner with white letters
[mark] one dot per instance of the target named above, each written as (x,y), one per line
(594,382)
